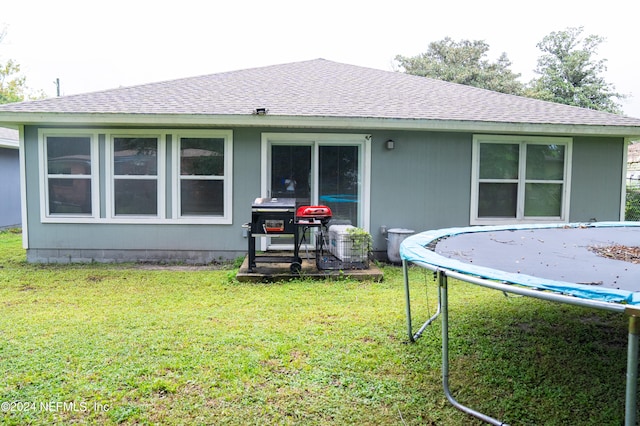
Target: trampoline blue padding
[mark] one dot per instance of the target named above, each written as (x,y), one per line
(339,198)
(553,257)
(592,265)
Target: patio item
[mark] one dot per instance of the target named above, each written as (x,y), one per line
(283,217)
(578,264)
(273,217)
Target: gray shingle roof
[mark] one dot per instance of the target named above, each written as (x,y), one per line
(321,88)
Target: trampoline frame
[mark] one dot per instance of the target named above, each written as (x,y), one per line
(442,275)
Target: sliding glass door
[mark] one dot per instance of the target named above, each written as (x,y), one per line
(290,171)
(339,181)
(317,170)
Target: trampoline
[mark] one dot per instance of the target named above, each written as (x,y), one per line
(592,265)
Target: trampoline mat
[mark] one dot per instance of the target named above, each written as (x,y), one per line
(561,254)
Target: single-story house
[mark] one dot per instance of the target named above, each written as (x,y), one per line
(169,170)
(9,178)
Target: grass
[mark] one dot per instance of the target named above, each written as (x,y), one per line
(118,344)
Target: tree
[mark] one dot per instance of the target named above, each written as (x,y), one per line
(13,87)
(463,62)
(570,74)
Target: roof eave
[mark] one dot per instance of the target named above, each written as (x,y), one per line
(316,122)
(11,144)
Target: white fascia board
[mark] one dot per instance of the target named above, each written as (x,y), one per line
(23,190)
(316,122)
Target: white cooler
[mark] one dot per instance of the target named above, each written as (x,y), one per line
(342,246)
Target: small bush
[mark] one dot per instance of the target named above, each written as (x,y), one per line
(632,208)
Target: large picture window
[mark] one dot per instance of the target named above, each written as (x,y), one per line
(519,179)
(69,178)
(135,175)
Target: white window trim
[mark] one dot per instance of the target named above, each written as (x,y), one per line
(227,177)
(160,176)
(523,141)
(317,139)
(45,217)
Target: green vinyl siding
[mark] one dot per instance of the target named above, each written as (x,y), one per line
(596,183)
(424,183)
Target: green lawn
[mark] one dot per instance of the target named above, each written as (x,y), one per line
(119,344)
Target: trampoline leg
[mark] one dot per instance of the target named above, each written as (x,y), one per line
(413,337)
(632,371)
(405,271)
(429,321)
(444,301)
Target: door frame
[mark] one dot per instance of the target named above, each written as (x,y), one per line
(315,140)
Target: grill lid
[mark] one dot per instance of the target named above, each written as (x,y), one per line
(271,204)
(317,212)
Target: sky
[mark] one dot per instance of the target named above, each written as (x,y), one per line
(94,45)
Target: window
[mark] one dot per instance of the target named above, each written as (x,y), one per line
(69,179)
(518,179)
(136,175)
(135,166)
(201,176)
(202,184)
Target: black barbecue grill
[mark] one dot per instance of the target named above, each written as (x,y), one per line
(273,216)
(283,217)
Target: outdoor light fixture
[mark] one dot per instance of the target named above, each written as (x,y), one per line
(390,144)
(260,111)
